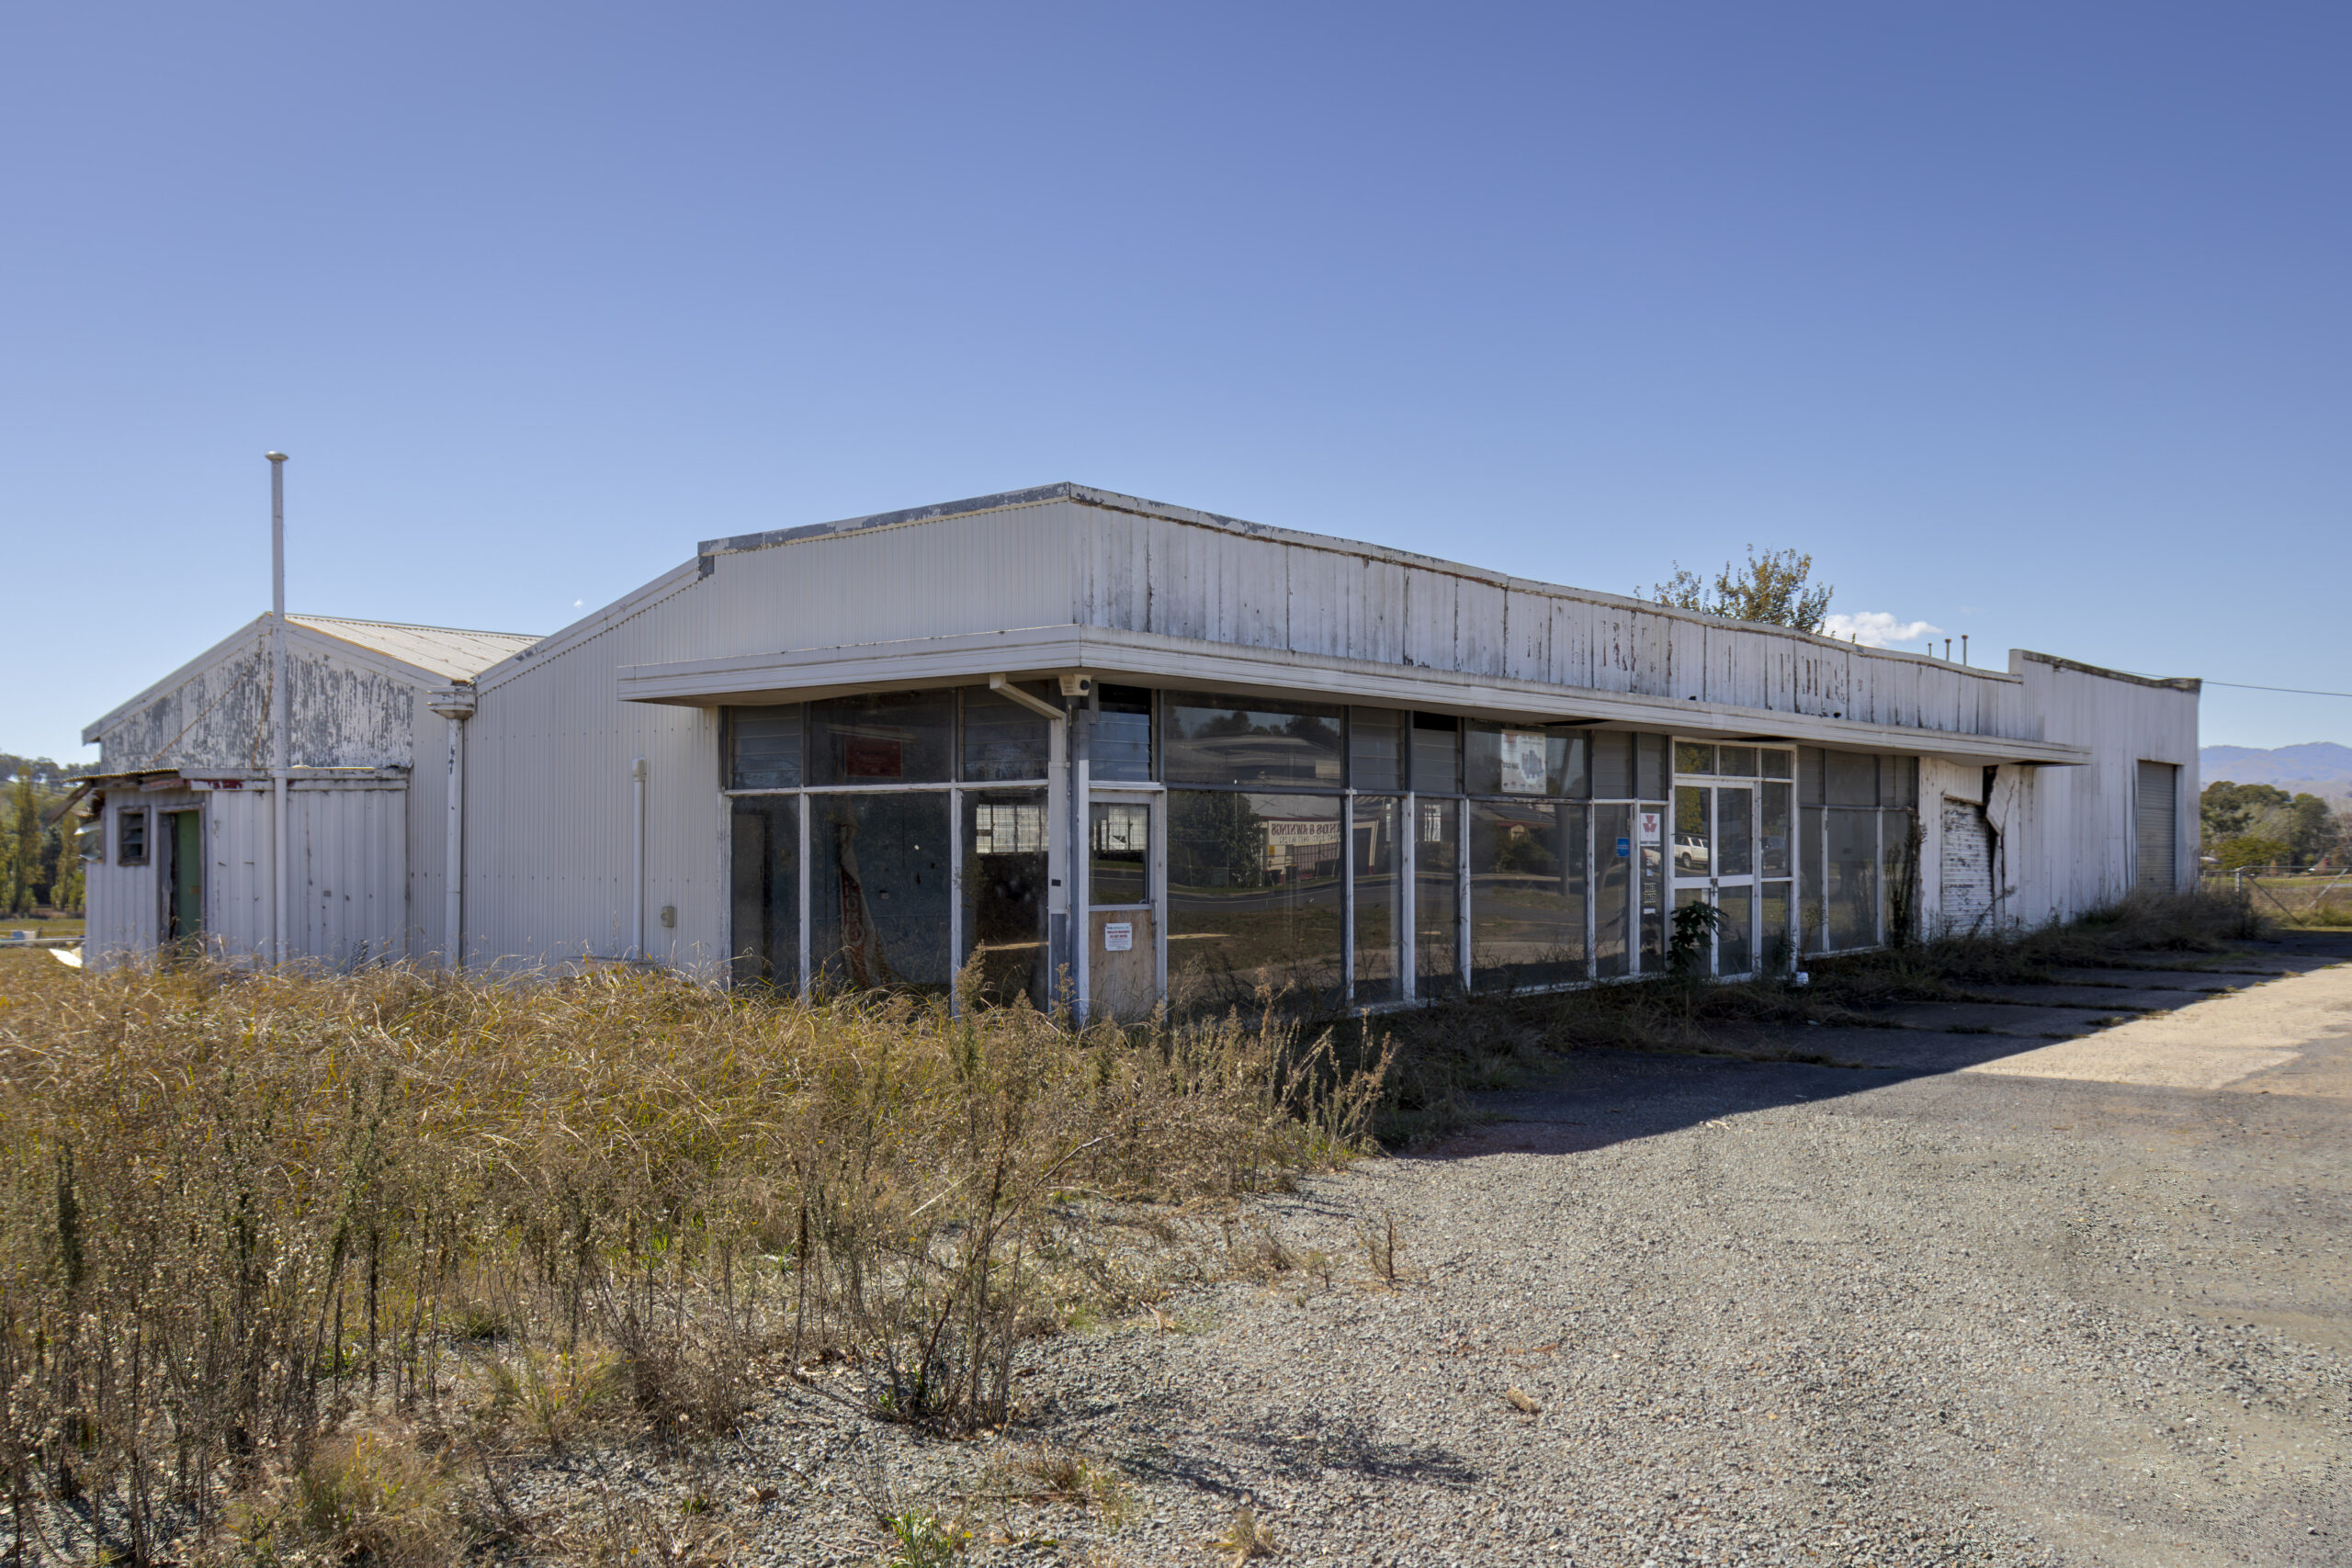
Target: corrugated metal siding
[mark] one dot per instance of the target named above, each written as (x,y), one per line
(237,836)
(120,899)
(348,892)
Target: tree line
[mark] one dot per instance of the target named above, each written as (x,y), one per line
(40,865)
(2251,825)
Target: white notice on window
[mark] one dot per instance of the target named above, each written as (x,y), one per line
(1118,936)
(1523,762)
(1653,822)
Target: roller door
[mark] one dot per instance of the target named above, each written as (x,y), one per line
(2159,827)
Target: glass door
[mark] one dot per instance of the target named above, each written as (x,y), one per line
(1714,861)
(1123,876)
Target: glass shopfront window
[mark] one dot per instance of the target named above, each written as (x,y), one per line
(1254,884)
(1375,748)
(1122,745)
(1437,896)
(1119,852)
(1613,850)
(1002,739)
(765,891)
(1374,822)
(878,899)
(1005,895)
(882,737)
(764,745)
(1850,890)
(1251,742)
(1527,894)
(1529,761)
(1437,753)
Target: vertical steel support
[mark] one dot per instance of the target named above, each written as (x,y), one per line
(456,704)
(280,807)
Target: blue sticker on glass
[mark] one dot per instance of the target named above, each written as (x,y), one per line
(1624,849)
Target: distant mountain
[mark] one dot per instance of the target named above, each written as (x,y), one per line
(2317,767)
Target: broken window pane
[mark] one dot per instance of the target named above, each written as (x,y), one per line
(1004,893)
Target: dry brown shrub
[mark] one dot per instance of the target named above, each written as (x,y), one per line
(243,1217)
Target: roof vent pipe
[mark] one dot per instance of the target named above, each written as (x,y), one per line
(279,746)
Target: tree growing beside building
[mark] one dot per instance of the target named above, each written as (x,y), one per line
(39,865)
(1775,588)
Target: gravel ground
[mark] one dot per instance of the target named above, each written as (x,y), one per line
(1762,1311)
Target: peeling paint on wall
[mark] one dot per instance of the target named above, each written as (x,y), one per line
(340,714)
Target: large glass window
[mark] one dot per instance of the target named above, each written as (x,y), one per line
(882,737)
(1813,912)
(1736,931)
(1851,778)
(1898,873)
(1851,886)
(1118,841)
(764,747)
(1122,744)
(1376,820)
(878,896)
(764,892)
(1437,753)
(1773,829)
(1651,920)
(1613,765)
(1527,894)
(1375,748)
(1214,739)
(1254,884)
(1774,945)
(1526,761)
(1734,832)
(1437,896)
(1003,739)
(1613,849)
(1004,893)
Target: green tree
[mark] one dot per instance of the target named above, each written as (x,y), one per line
(24,842)
(1775,588)
(2249,851)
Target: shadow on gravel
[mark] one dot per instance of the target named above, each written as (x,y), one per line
(1600,1096)
(1311,1449)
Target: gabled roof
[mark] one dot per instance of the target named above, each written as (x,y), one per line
(421,654)
(447,651)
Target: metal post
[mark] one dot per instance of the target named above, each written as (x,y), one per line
(280,808)
(456,704)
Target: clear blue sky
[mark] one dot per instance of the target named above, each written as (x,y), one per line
(2029,321)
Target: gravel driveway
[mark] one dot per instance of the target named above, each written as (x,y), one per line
(1990,1303)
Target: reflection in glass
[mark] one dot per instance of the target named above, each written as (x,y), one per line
(1004,893)
(1002,738)
(1118,838)
(1613,764)
(1217,739)
(1812,910)
(1735,762)
(1527,894)
(1734,832)
(1652,887)
(1437,753)
(1253,895)
(1775,945)
(1690,757)
(1526,760)
(765,747)
(1703,961)
(1898,872)
(1375,819)
(1851,778)
(1693,848)
(1652,756)
(1437,898)
(1778,765)
(764,853)
(1612,850)
(881,738)
(1736,933)
(1773,831)
(879,890)
(1122,744)
(1850,889)
(1375,748)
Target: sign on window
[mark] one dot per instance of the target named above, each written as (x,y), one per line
(1525,753)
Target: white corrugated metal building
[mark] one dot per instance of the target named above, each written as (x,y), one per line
(1086,740)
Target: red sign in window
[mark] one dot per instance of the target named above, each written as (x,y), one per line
(863,758)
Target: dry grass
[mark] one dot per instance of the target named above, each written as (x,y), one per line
(279,1252)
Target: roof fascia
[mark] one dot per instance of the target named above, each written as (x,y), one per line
(219,652)
(1189,662)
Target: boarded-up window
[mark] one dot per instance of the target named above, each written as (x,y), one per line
(2159,823)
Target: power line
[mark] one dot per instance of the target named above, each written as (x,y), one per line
(2295,691)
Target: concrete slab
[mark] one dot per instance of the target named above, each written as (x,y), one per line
(2103,998)
(2197,980)
(2215,1044)
(1997,1018)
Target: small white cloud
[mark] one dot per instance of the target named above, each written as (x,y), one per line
(1876,629)
(577,602)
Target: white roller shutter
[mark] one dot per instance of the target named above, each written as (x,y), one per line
(1966,867)
(2158,811)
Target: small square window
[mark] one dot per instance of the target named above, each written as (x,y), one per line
(131,839)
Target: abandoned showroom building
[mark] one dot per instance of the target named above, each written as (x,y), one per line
(1092,745)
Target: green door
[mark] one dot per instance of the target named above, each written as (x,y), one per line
(184,898)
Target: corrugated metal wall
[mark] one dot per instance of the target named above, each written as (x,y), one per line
(237,833)
(348,892)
